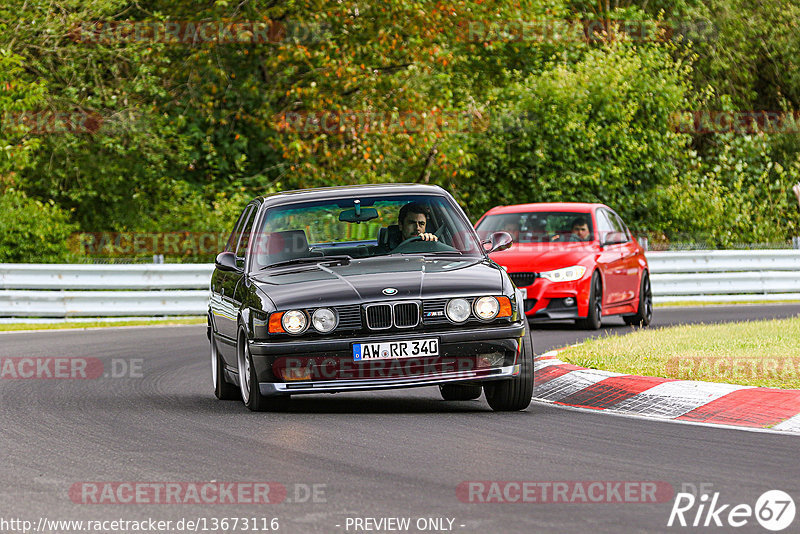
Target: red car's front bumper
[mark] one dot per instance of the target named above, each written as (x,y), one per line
(549,301)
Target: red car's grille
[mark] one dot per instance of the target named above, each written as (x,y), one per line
(523,279)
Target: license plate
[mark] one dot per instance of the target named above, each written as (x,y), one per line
(524,292)
(415,348)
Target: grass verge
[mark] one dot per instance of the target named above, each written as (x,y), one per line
(95,324)
(753,353)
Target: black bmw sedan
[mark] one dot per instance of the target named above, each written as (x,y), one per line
(365,288)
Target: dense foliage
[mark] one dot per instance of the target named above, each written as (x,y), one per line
(110,128)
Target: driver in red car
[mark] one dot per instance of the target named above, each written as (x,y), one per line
(580,230)
(412,219)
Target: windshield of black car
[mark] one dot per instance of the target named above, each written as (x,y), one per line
(538,227)
(348,227)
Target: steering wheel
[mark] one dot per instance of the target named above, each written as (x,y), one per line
(426,246)
(409,240)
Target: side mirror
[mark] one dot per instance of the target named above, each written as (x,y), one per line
(499,241)
(226,261)
(614,238)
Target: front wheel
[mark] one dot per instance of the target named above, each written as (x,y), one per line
(515,393)
(457,392)
(644,314)
(248,381)
(594,317)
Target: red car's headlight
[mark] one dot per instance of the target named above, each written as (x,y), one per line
(567,274)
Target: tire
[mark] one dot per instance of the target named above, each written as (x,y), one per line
(248,381)
(457,392)
(222,389)
(515,393)
(594,317)
(644,314)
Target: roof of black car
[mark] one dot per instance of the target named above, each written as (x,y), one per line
(323,193)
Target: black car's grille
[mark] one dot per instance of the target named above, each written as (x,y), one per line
(523,279)
(406,314)
(397,314)
(379,316)
(349,317)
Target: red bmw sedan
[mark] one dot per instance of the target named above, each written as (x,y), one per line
(573,261)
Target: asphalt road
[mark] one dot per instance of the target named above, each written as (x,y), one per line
(398,454)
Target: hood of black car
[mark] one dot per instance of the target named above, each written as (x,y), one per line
(376,279)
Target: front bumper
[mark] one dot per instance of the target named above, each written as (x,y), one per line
(549,301)
(475,354)
(272,389)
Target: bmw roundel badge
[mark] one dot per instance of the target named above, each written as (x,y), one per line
(389,291)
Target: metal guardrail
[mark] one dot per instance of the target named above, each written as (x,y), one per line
(85,290)
(725,275)
(102,303)
(88,276)
(50,290)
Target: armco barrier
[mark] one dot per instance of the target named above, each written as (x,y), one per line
(725,275)
(82,290)
(33,290)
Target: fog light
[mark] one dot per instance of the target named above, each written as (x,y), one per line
(291,374)
(569,301)
(492,359)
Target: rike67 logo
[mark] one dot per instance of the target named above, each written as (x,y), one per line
(774,510)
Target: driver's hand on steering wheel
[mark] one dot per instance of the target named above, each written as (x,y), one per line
(428,237)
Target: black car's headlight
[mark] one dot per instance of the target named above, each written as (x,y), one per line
(486,308)
(324,320)
(294,321)
(457,310)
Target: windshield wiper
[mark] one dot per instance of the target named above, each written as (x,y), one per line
(343,258)
(444,253)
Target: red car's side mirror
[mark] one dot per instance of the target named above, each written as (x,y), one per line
(614,238)
(498,241)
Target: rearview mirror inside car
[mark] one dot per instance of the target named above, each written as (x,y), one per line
(358,215)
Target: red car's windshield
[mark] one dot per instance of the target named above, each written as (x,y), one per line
(540,226)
